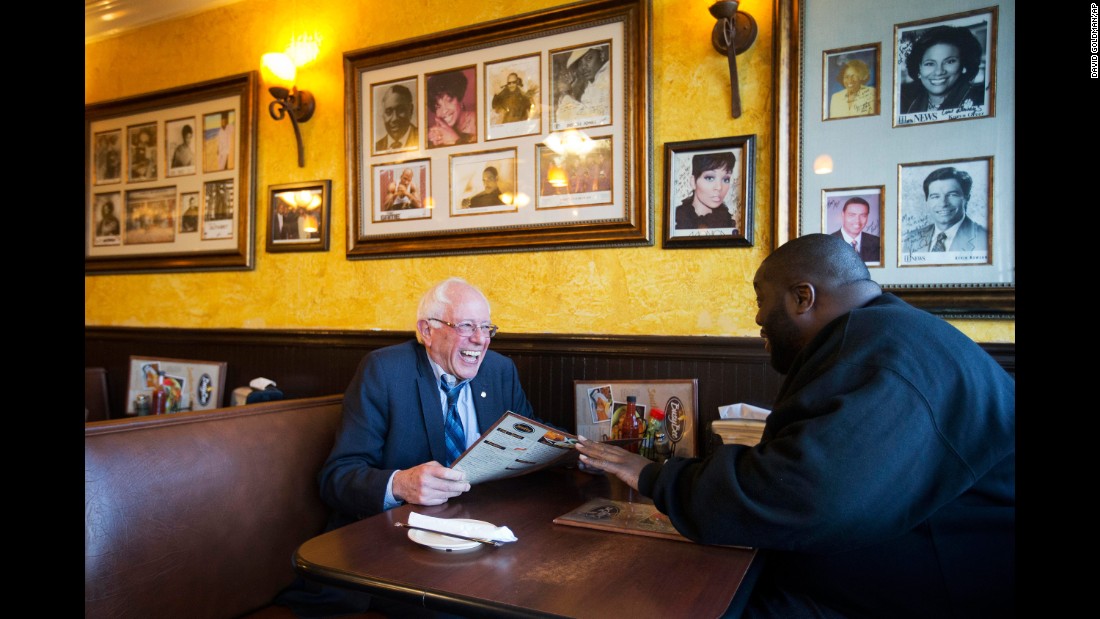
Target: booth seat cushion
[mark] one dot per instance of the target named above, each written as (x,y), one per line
(197,515)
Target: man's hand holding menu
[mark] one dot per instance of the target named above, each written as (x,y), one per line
(515,445)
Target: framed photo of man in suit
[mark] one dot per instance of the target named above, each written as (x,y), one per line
(945,212)
(856,214)
(393,123)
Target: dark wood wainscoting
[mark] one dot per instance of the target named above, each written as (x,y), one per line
(315,363)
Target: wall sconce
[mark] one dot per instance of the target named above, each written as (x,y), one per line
(734,33)
(279,73)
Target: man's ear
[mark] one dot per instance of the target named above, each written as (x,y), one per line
(804,296)
(425,331)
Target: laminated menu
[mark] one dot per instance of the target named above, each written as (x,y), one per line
(515,445)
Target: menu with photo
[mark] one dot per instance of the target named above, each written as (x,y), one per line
(622,517)
(515,445)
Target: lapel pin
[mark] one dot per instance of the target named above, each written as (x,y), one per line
(483,394)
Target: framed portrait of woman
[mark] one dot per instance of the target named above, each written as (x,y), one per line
(945,68)
(450,111)
(850,84)
(709,192)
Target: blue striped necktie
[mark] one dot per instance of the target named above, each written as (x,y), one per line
(452,425)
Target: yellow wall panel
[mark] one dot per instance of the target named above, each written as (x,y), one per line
(630,291)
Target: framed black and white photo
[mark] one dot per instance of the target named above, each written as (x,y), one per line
(105,211)
(945,212)
(180,151)
(513,90)
(856,214)
(142,148)
(581,78)
(172,171)
(189,212)
(709,192)
(107,157)
(945,68)
(299,216)
(394,123)
(493,132)
(851,82)
(218,209)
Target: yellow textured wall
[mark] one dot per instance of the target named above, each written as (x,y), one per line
(643,290)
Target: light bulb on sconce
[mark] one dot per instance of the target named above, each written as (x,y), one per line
(279,74)
(734,33)
(823,164)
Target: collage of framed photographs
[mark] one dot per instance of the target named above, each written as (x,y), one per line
(512,135)
(169,179)
(926,191)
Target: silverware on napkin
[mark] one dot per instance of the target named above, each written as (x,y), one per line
(490,542)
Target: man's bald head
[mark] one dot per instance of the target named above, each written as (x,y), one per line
(804,285)
(822,259)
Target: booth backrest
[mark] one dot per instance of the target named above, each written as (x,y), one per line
(197,515)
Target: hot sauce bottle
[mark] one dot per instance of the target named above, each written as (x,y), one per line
(630,427)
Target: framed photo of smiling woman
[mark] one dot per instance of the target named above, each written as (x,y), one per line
(709,192)
(945,68)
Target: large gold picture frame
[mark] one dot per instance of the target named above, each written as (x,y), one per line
(169,179)
(581,75)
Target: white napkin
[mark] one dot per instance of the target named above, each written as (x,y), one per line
(742,411)
(458,527)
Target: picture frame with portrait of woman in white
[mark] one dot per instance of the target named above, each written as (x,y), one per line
(946,68)
(945,212)
(856,215)
(709,192)
(851,82)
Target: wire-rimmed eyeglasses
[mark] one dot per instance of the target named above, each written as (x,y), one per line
(466,329)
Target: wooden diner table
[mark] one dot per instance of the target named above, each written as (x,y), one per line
(553,570)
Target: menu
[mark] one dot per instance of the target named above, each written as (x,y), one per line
(515,445)
(622,517)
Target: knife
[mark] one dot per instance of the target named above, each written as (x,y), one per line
(489,542)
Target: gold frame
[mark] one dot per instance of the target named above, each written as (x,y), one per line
(627,221)
(228,247)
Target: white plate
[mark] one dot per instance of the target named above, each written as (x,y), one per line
(442,542)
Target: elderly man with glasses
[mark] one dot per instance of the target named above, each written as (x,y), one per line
(414,407)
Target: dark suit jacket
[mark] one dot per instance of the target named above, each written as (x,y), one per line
(970,237)
(869,247)
(384,143)
(393,419)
